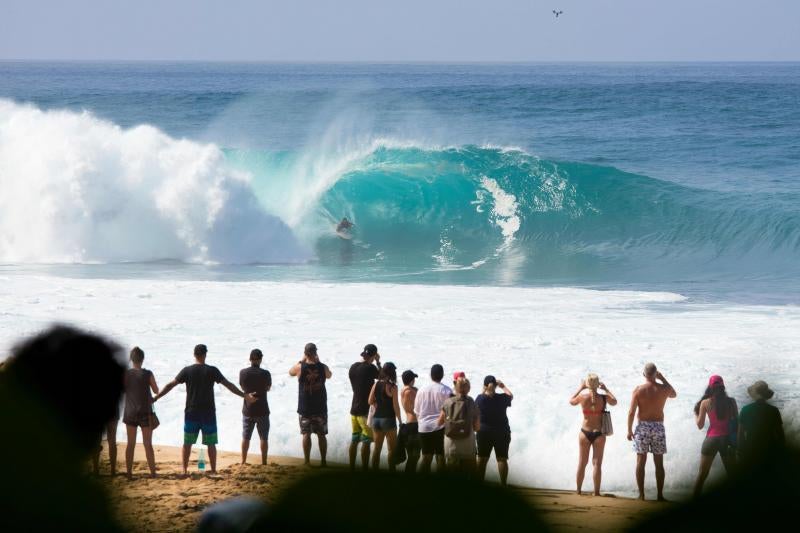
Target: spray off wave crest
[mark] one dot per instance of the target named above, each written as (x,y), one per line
(79,189)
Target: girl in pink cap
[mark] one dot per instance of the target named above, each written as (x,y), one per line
(722,416)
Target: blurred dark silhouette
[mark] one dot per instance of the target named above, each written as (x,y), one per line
(760,425)
(232,516)
(58,390)
(760,497)
(333,501)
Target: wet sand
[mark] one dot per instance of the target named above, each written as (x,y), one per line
(172,502)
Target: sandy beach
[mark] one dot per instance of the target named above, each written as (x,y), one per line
(174,503)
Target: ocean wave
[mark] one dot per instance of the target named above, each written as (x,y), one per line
(466,207)
(78,189)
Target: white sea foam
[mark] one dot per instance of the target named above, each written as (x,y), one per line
(75,188)
(541,342)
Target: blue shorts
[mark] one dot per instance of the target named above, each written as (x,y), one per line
(383,424)
(194,423)
(251,422)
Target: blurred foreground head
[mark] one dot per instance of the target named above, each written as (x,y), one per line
(448,496)
(64,385)
(73,376)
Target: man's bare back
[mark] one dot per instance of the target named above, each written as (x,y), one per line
(648,402)
(650,399)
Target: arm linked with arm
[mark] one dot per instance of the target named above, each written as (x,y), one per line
(168,387)
(231,387)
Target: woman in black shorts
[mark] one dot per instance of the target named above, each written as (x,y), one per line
(495,433)
(721,411)
(139,409)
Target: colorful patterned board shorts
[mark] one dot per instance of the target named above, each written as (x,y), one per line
(317,424)
(194,423)
(650,437)
(361,431)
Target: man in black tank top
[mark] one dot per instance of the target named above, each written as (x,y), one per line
(312,400)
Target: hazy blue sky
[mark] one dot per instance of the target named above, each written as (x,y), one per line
(401,30)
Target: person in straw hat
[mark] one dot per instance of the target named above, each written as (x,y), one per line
(760,425)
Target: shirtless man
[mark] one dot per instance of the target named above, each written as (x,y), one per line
(412,444)
(649,437)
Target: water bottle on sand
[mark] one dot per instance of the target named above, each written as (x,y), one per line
(201,460)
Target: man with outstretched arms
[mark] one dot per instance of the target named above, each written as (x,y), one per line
(200,414)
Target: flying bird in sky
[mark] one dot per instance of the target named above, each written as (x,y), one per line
(557,13)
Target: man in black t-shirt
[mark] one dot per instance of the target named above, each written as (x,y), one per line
(258,381)
(201,413)
(362,377)
(312,400)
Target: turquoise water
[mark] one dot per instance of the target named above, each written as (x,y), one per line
(678,177)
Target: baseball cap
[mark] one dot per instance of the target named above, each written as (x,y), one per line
(715,380)
(370,350)
(457,375)
(409,376)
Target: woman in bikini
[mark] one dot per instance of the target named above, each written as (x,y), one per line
(590,437)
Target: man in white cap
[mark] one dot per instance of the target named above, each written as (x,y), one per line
(760,425)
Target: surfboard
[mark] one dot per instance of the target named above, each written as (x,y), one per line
(346,235)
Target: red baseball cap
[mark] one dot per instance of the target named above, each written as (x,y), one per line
(715,380)
(457,375)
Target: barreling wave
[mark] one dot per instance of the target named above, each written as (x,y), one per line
(74,188)
(492,208)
